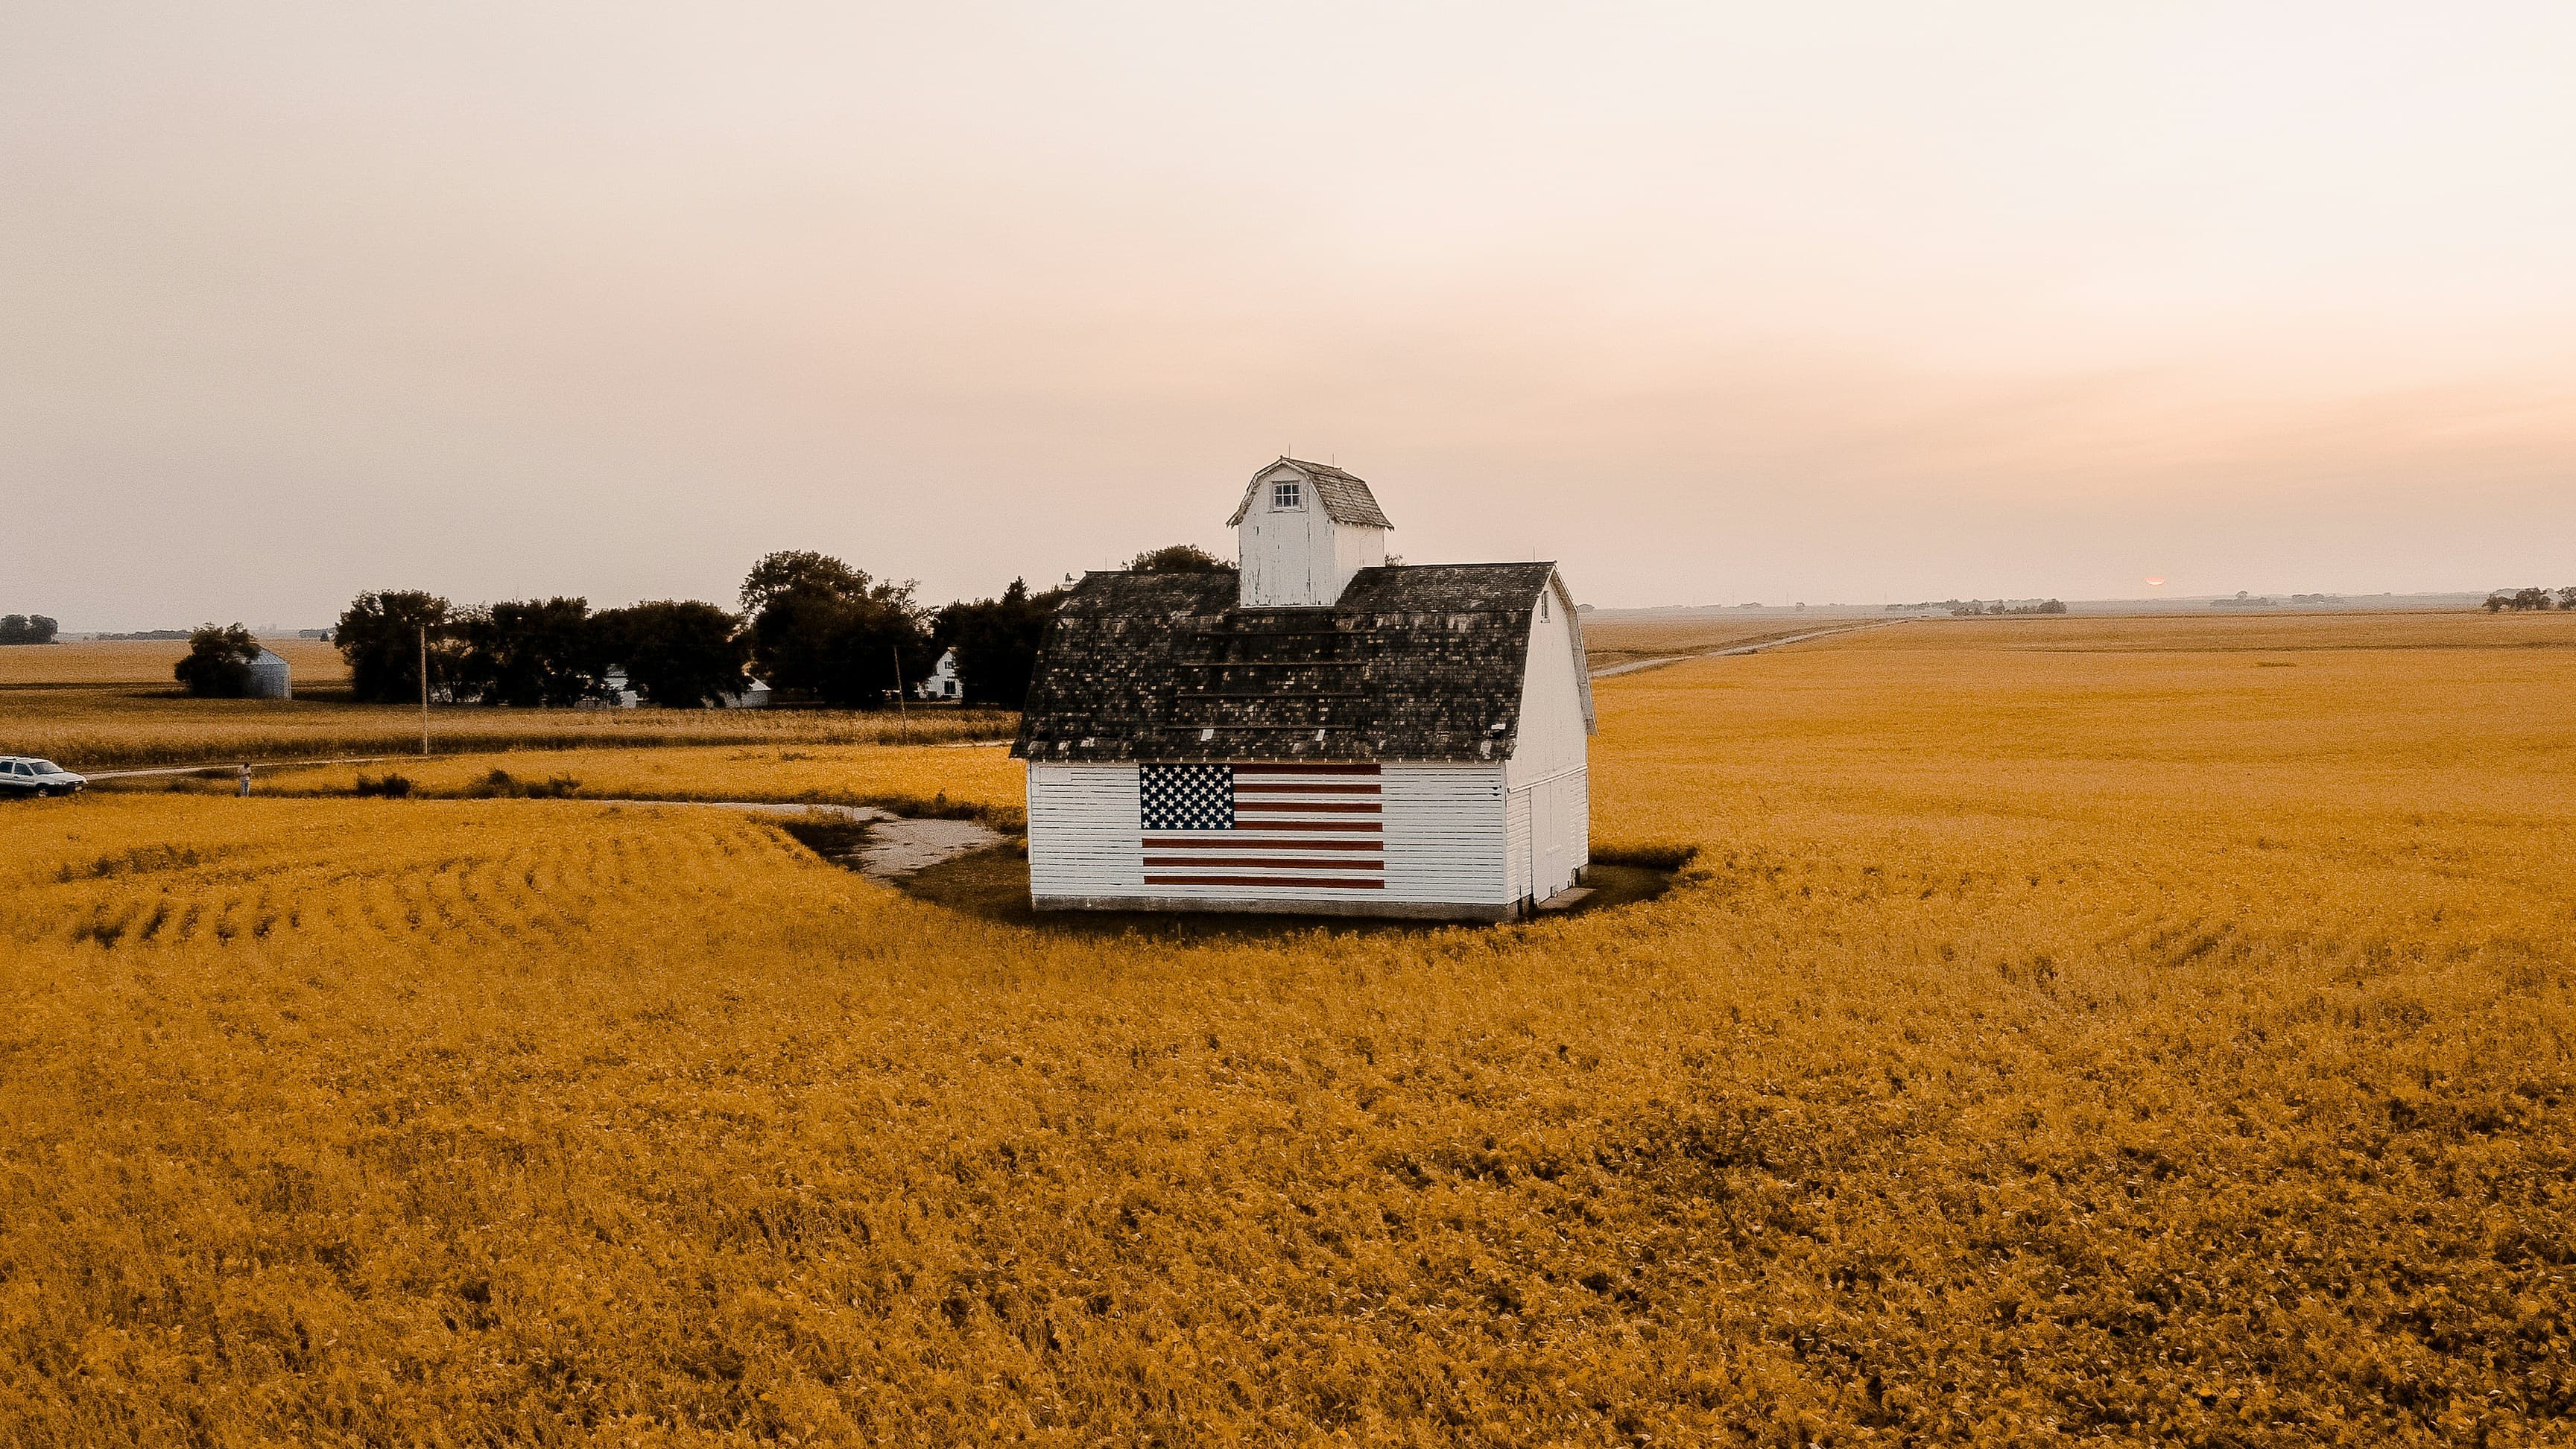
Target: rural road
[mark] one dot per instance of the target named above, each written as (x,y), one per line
(1643,664)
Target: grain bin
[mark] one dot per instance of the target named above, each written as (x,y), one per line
(270,678)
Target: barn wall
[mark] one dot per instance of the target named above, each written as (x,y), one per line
(1554,722)
(1354,548)
(1084,838)
(1516,831)
(1444,847)
(1548,774)
(1444,833)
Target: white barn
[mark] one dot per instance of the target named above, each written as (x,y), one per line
(1318,732)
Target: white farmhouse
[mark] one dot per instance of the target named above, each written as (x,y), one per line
(1318,732)
(943,681)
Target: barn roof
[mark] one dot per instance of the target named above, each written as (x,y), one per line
(1414,662)
(1346,497)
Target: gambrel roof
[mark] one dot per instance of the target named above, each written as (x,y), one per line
(1345,496)
(1413,662)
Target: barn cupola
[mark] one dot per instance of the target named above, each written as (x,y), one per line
(1303,530)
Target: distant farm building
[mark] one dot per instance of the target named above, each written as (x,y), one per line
(619,692)
(1318,732)
(271,677)
(943,682)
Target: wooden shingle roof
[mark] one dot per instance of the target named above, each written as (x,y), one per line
(1345,496)
(1417,662)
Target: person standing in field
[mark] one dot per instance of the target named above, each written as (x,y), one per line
(245,780)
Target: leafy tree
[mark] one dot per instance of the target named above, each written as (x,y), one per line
(2519,599)
(877,645)
(997,642)
(680,653)
(531,652)
(26,629)
(379,634)
(823,630)
(799,571)
(1179,558)
(2566,599)
(217,664)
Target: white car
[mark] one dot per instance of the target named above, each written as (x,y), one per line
(26,775)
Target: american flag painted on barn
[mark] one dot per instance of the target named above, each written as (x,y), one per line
(1319,827)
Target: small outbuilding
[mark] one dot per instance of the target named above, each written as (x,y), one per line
(1317,731)
(271,677)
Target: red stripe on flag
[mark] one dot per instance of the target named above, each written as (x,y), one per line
(1243,840)
(1344,827)
(1197,862)
(1312,882)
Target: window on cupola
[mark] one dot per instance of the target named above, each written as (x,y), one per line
(1283,494)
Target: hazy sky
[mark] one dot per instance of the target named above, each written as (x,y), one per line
(1712,303)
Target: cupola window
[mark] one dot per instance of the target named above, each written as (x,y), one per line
(1283,494)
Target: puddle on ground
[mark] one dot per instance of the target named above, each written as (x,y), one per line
(881,845)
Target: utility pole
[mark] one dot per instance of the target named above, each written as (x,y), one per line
(896,654)
(424,690)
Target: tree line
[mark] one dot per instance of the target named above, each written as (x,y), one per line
(809,625)
(2503,599)
(27,629)
(1976,607)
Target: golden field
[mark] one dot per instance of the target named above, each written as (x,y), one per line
(109,704)
(149,661)
(105,729)
(2095,1030)
(913,779)
(1612,642)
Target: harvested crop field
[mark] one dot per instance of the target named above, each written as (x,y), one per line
(1609,643)
(93,662)
(127,727)
(2069,1029)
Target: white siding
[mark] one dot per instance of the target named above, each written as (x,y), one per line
(1551,791)
(1517,842)
(1444,843)
(1556,705)
(1083,835)
(1444,838)
(1578,791)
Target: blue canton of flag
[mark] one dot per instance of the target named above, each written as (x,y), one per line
(1188,797)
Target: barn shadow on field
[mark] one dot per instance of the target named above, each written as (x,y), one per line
(993,885)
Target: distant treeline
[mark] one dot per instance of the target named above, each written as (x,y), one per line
(27,629)
(2503,599)
(1966,608)
(810,626)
